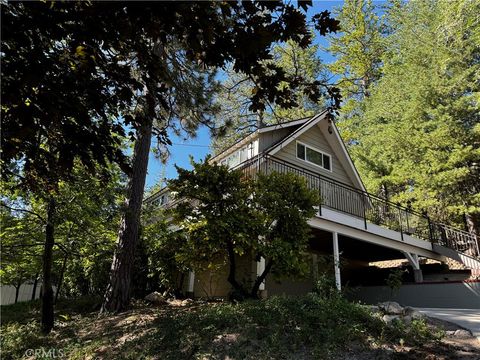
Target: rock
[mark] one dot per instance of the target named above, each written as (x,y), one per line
(178,302)
(174,302)
(391,308)
(407,310)
(374,309)
(226,338)
(155,298)
(389,318)
(462,333)
(186,302)
(412,313)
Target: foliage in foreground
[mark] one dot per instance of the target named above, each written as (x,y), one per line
(313,326)
(227,214)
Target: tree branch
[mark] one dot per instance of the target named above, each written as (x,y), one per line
(23,210)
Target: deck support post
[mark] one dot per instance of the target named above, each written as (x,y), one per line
(191,284)
(260,270)
(417,272)
(336,261)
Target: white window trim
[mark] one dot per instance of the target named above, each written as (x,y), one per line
(314,149)
(250,149)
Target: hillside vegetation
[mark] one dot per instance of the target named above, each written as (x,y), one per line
(309,327)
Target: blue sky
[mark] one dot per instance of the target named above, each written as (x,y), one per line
(199,146)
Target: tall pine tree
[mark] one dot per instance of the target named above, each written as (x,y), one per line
(420,131)
(358,54)
(236,116)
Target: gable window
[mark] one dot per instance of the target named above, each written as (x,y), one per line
(314,156)
(239,156)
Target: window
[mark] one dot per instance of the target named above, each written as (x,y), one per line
(243,154)
(164,199)
(239,156)
(314,156)
(232,160)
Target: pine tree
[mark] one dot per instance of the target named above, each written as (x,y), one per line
(358,59)
(421,122)
(236,116)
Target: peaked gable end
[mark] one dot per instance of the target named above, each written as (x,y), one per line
(323,139)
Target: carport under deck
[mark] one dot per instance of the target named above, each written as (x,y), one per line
(360,227)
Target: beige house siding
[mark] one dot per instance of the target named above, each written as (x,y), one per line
(269,138)
(214,284)
(315,138)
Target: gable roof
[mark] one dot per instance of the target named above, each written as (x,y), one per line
(283,125)
(267,128)
(335,141)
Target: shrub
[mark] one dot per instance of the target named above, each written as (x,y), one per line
(415,333)
(17,338)
(325,287)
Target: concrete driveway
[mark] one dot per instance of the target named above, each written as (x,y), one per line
(466,318)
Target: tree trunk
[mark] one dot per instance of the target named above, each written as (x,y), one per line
(35,283)
(60,280)
(386,194)
(178,291)
(473,224)
(117,295)
(17,291)
(47,291)
(260,279)
(232,277)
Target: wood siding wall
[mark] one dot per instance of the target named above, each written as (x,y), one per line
(267,139)
(315,138)
(213,284)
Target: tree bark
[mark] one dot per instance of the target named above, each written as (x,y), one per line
(260,279)
(17,291)
(232,277)
(47,290)
(60,280)
(178,290)
(35,283)
(473,224)
(117,295)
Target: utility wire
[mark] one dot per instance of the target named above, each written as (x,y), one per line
(194,145)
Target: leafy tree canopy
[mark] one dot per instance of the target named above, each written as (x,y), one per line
(82,65)
(86,226)
(358,52)
(225,215)
(238,118)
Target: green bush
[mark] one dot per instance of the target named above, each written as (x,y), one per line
(325,287)
(17,338)
(415,333)
(21,312)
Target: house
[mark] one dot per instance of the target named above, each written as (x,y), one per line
(358,228)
